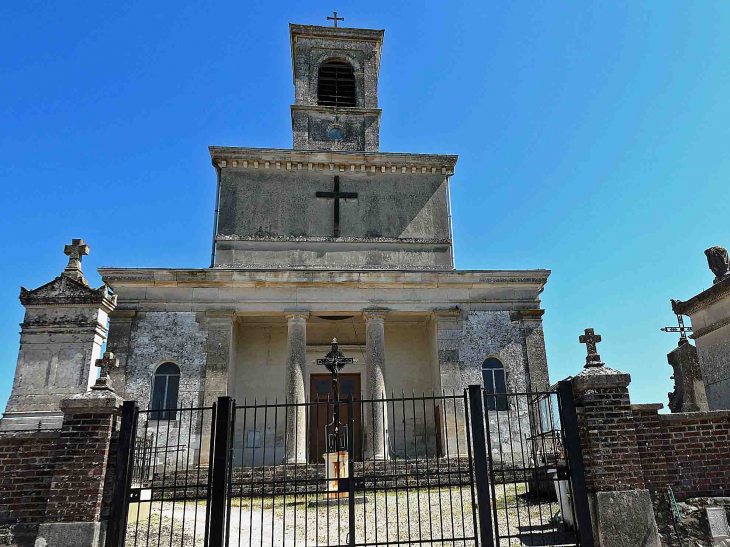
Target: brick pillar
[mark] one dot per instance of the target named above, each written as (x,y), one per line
(73,514)
(621,508)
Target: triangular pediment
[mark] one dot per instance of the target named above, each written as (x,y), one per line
(64,290)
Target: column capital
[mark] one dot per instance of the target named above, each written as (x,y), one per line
(527,315)
(296,315)
(446,313)
(122,315)
(224,318)
(375,314)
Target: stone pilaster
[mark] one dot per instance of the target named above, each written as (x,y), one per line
(537,368)
(376,433)
(621,507)
(296,425)
(220,356)
(449,377)
(689,388)
(121,323)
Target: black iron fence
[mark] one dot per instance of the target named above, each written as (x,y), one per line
(418,469)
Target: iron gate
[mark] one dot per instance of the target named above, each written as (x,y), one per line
(535,470)
(458,469)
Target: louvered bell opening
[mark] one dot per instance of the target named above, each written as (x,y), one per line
(336,85)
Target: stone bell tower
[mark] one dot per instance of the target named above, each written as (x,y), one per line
(336,74)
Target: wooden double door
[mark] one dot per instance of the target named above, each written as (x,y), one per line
(321,414)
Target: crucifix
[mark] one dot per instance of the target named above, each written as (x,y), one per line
(105,365)
(590,339)
(337,195)
(335,18)
(681,329)
(335,361)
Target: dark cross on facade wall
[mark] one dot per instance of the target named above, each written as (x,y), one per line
(337,195)
(681,329)
(590,339)
(335,18)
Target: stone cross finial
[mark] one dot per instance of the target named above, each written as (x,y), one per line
(590,339)
(105,364)
(335,18)
(75,251)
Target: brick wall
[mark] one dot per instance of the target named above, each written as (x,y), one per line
(27,461)
(608,441)
(688,451)
(77,489)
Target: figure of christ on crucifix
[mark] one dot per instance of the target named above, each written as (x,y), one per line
(337,195)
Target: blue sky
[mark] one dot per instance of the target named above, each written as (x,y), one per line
(593,141)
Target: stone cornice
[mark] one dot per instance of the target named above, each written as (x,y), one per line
(340,110)
(699,333)
(224,157)
(65,291)
(231,277)
(328,239)
(707,297)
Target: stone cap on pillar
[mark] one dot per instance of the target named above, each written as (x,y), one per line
(375,313)
(92,402)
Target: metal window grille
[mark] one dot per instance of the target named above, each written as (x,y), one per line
(336,84)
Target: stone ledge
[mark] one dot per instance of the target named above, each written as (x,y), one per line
(646,407)
(706,415)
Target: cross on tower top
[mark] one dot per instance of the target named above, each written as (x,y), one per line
(590,339)
(335,18)
(681,329)
(105,364)
(75,251)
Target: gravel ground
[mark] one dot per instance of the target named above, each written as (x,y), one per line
(442,517)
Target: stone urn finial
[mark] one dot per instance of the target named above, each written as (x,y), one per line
(718,262)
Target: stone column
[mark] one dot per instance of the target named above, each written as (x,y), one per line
(376,417)
(621,507)
(296,424)
(220,347)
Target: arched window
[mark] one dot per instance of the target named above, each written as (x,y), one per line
(494,384)
(336,85)
(164,391)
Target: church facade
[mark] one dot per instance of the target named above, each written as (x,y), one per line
(329,239)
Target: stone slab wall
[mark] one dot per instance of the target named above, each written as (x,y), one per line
(714,352)
(688,451)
